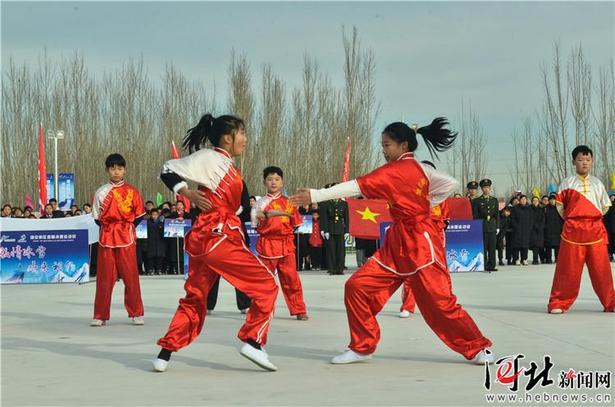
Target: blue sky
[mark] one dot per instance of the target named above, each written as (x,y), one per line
(429,56)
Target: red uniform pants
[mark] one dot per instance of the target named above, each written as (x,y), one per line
(568,269)
(289,281)
(408,303)
(111,262)
(237,265)
(371,286)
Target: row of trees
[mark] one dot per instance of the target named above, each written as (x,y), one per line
(578,108)
(302,129)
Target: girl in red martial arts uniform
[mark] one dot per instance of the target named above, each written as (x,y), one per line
(413,248)
(439,214)
(216,244)
(582,201)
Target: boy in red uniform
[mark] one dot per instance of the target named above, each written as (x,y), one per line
(275,220)
(117,208)
(582,201)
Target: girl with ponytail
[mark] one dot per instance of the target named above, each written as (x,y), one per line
(215,244)
(413,249)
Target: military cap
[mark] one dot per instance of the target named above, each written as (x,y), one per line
(485,182)
(472,185)
(552,195)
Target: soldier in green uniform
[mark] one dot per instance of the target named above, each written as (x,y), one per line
(472,190)
(486,208)
(333,226)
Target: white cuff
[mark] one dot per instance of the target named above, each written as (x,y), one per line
(343,190)
(179,186)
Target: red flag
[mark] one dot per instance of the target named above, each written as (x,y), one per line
(346,170)
(365,216)
(42,171)
(459,208)
(28,201)
(175,155)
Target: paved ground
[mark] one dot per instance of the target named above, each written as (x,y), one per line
(50,356)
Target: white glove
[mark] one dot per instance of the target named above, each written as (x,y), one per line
(497,231)
(325,235)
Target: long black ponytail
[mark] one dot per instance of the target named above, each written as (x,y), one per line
(436,137)
(211,129)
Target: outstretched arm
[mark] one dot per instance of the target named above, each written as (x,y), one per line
(306,196)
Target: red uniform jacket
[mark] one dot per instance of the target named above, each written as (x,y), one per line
(582,201)
(116,206)
(276,234)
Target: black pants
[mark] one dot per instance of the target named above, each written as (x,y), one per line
(611,243)
(489,240)
(335,254)
(537,255)
(302,252)
(316,257)
(547,254)
(154,265)
(243,301)
(520,254)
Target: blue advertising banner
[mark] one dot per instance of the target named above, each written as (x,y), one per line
(306,226)
(66,189)
(253,235)
(141,230)
(464,245)
(45,256)
(176,227)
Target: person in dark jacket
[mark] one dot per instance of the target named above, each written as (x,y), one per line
(609,221)
(486,208)
(156,246)
(333,226)
(553,229)
(503,240)
(537,237)
(521,221)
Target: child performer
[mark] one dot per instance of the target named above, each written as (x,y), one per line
(216,243)
(118,207)
(582,201)
(275,220)
(439,214)
(413,248)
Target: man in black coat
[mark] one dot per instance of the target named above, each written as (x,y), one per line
(521,221)
(609,221)
(537,237)
(333,226)
(486,208)
(553,229)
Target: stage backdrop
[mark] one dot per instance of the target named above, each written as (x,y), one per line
(464,245)
(44,256)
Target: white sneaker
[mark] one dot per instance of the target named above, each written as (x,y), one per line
(404,314)
(349,357)
(160,365)
(258,356)
(98,322)
(484,356)
(525,262)
(556,311)
(517,263)
(244,310)
(138,321)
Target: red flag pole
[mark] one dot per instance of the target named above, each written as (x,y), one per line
(346,170)
(42,171)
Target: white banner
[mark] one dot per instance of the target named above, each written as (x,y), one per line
(70,223)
